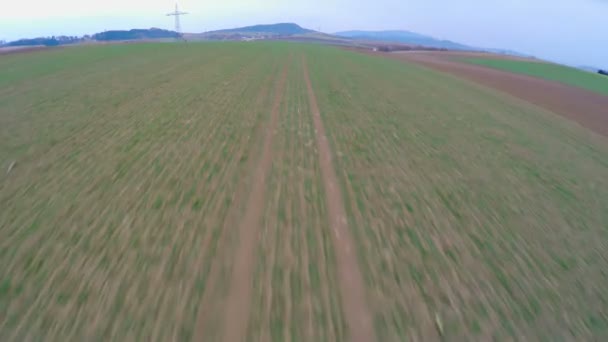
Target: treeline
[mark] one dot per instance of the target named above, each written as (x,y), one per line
(46,41)
(153,33)
(602,72)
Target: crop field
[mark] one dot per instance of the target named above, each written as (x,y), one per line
(551,72)
(285,192)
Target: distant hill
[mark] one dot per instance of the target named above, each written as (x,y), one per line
(282,29)
(405,37)
(153,33)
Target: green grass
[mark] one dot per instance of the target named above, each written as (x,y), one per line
(295,287)
(552,72)
(109,216)
(468,207)
(466,204)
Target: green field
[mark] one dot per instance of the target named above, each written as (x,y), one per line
(552,72)
(128,170)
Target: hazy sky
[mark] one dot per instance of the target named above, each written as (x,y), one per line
(568,31)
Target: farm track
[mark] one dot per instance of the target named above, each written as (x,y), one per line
(236,308)
(238,303)
(352,288)
(296,297)
(209,310)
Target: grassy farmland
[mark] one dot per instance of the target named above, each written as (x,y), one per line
(551,72)
(132,168)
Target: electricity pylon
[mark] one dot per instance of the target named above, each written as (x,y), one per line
(177,14)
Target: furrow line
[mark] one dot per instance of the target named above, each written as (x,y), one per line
(352,286)
(236,325)
(238,302)
(207,310)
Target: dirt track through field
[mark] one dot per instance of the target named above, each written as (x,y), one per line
(352,287)
(585,107)
(236,308)
(236,315)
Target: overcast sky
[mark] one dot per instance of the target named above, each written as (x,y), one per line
(567,31)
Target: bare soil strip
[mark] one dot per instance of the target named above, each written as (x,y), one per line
(352,288)
(585,107)
(208,308)
(237,309)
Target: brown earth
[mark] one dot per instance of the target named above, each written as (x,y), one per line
(10,50)
(208,309)
(236,315)
(352,287)
(585,107)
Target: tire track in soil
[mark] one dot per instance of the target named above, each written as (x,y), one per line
(236,309)
(352,287)
(238,302)
(209,306)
